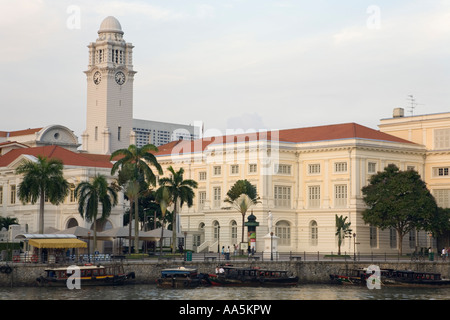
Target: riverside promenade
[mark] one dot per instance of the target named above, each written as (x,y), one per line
(309,270)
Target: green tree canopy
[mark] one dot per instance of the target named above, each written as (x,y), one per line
(136,176)
(42,179)
(342,230)
(180,191)
(400,200)
(90,196)
(242,195)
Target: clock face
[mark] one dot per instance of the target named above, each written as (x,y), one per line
(120,78)
(97,77)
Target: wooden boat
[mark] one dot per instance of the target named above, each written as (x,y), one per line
(91,275)
(234,276)
(390,277)
(180,277)
(350,276)
(413,278)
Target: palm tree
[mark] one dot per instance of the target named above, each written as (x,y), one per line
(180,191)
(90,196)
(163,198)
(5,222)
(342,230)
(242,195)
(138,161)
(42,179)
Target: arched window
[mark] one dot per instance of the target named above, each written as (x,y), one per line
(283,231)
(313,233)
(216,230)
(72,223)
(234,233)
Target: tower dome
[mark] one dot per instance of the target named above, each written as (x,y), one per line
(110,24)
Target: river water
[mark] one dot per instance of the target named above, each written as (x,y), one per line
(301,292)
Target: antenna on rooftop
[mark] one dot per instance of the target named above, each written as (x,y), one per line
(413,103)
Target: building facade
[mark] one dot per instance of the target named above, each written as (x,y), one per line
(305,177)
(433,132)
(78,167)
(110,77)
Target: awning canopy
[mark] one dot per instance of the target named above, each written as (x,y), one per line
(65,243)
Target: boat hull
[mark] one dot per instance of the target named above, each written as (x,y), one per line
(88,275)
(241,277)
(103,281)
(391,278)
(172,283)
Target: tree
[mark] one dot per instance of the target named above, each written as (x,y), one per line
(5,222)
(137,161)
(400,200)
(163,198)
(242,195)
(90,196)
(42,179)
(180,191)
(342,230)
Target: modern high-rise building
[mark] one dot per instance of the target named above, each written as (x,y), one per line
(159,133)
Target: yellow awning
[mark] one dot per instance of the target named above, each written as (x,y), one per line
(57,243)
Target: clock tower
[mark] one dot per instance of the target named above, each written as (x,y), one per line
(110,78)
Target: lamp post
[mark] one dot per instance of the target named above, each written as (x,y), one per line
(218,240)
(89,246)
(354,246)
(271,246)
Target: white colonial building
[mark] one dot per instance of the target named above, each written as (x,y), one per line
(305,177)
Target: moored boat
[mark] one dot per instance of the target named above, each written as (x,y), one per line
(237,276)
(350,276)
(180,277)
(390,277)
(89,274)
(414,278)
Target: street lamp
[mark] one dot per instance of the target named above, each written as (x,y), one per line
(271,246)
(218,240)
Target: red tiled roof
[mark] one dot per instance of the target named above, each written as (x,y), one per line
(299,135)
(19,132)
(69,158)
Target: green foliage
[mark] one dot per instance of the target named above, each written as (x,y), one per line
(5,222)
(242,195)
(178,191)
(342,230)
(135,175)
(400,200)
(92,194)
(242,187)
(42,179)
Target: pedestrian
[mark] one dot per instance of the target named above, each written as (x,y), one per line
(444,253)
(223,251)
(235,249)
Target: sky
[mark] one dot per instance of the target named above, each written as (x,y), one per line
(231,64)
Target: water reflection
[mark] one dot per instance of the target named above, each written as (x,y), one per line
(151,292)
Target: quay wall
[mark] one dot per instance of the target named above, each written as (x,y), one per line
(25,274)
